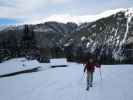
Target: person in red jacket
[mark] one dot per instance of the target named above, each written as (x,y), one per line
(90,68)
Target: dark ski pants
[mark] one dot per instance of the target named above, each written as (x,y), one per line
(89,79)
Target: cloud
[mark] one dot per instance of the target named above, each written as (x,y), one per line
(24,8)
(6,3)
(59,1)
(32,11)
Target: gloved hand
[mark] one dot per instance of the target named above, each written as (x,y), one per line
(98,66)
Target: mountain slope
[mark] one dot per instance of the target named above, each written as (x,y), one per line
(108,36)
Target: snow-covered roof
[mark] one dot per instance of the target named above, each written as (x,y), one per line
(58,62)
(16,65)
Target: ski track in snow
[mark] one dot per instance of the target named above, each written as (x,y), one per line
(68,83)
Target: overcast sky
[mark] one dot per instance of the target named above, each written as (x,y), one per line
(22,11)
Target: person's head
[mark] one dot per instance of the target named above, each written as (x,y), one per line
(91,60)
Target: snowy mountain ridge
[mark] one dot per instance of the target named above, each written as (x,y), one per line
(74,19)
(65,18)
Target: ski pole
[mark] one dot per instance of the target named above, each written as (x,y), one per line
(100,74)
(82,76)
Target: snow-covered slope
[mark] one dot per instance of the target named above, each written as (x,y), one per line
(106,36)
(69,84)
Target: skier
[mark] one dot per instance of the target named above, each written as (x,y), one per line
(90,68)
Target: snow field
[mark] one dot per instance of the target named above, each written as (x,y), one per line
(69,83)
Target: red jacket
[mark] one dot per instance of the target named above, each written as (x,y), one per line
(90,67)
